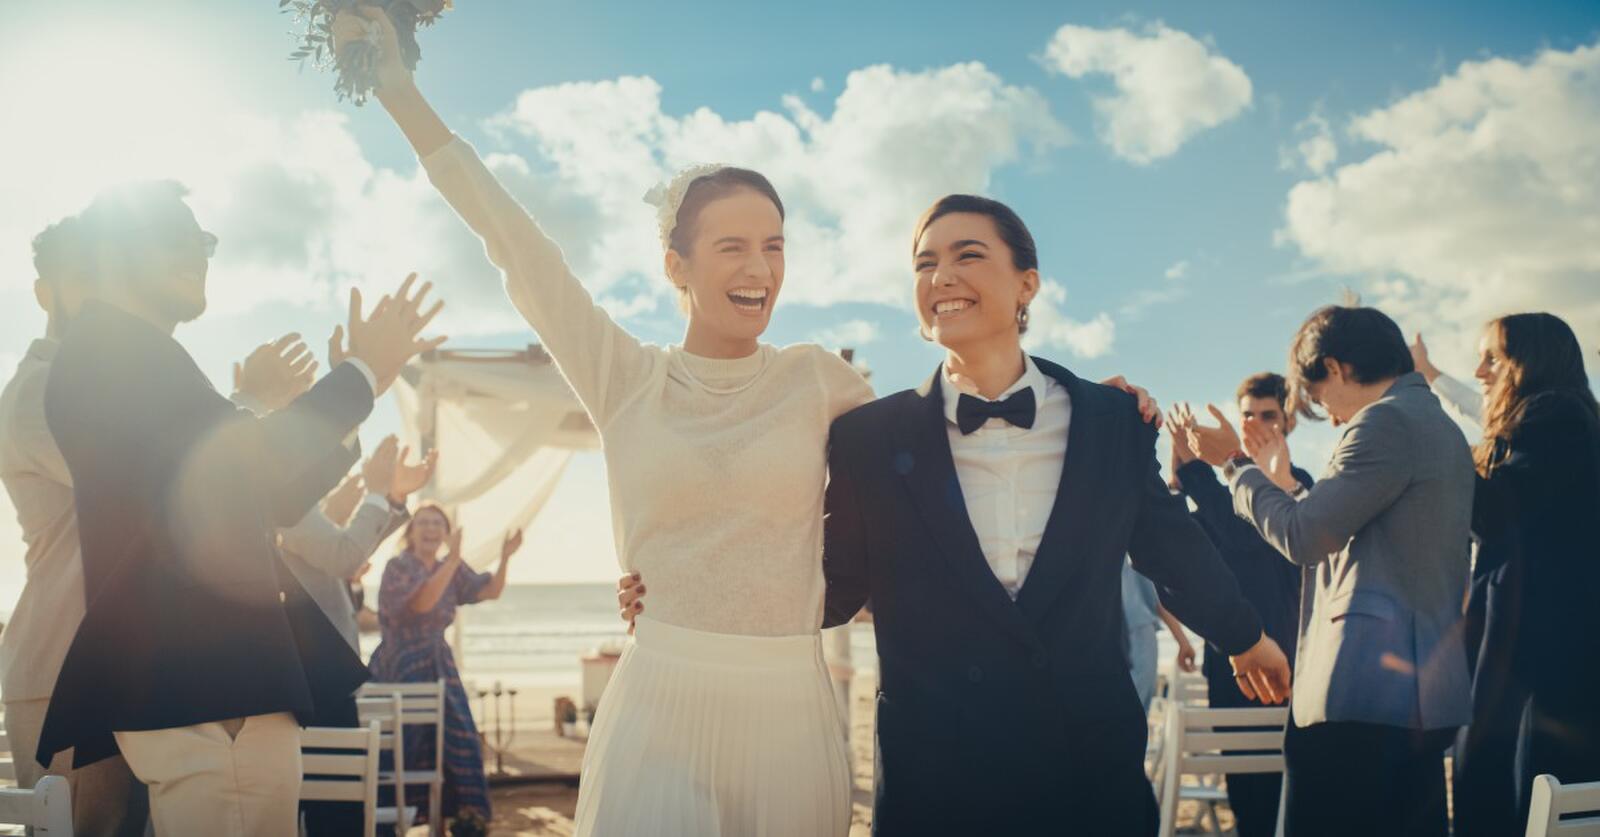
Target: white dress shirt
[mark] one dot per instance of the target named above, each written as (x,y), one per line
(1009,475)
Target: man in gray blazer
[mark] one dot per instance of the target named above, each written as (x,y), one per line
(324,553)
(1381,680)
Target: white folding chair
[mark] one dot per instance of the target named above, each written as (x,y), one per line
(1194,749)
(386,712)
(46,807)
(1564,810)
(1180,689)
(8,764)
(421,704)
(350,775)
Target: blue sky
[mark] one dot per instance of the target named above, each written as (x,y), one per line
(1198,176)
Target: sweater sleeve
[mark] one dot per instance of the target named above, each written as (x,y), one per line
(602,362)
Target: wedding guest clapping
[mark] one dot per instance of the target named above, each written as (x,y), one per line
(1533,630)
(199,655)
(417,601)
(106,798)
(1381,678)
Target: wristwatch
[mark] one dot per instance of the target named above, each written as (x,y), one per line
(1235,461)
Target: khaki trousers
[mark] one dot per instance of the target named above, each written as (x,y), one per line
(237,778)
(107,801)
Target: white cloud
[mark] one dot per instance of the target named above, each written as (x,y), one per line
(849,334)
(818,85)
(1170,86)
(853,181)
(1482,198)
(1049,326)
(1315,151)
(1177,271)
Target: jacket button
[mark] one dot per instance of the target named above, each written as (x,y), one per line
(975,674)
(1040,660)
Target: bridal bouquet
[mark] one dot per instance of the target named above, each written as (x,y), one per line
(357,64)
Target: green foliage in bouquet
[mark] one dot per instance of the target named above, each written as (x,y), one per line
(357,64)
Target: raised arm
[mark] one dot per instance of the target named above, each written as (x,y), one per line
(603,363)
(1369,470)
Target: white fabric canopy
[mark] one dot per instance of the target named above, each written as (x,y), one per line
(505,424)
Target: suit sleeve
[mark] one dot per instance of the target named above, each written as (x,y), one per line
(1169,548)
(844,544)
(1369,470)
(1213,504)
(337,551)
(302,454)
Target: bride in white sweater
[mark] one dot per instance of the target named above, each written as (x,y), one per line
(719,718)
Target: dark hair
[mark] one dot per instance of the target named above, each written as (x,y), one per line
(711,187)
(1265,385)
(1365,339)
(116,227)
(1542,356)
(58,252)
(1024,253)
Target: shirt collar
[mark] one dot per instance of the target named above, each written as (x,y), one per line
(957,386)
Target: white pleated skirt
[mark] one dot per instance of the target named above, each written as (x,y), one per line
(716,735)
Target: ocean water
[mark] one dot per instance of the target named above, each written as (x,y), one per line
(535,634)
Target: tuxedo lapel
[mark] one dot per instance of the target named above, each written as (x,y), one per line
(922,458)
(1073,511)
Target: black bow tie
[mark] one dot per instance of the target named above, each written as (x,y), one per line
(971,413)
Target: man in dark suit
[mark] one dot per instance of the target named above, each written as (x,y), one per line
(1269,583)
(198,650)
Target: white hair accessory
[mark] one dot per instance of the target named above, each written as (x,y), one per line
(668,197)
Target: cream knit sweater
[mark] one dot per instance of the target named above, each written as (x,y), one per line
(716,467)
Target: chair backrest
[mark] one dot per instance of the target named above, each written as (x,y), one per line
(386,713)
(8,764)
(1565,810)
(349,775)
(1195,747)
(420,704)
(46,807)
(1189,689)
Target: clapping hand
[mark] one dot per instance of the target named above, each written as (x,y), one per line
(454,545)
(341,502)
(379,468)
(1182,452)
(1262,672)
(1270,449)
(276,373)
(387,338)
(408,477)
(1212,444)
(1420,359)
(512,543)
(1149,410)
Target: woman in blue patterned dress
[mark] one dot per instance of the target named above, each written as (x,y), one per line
(416,602)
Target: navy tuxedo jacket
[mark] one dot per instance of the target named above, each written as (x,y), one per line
(1026,704)
(191,614)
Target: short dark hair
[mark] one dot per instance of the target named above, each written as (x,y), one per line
(1024,253)
(715,186)
(58,252)
(1265,385)
(116,221)
(1365,339)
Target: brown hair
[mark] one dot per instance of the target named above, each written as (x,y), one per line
(1365,339)
(712,187)
(1024,253)
(1542,356)
(1265,385)
(429,506)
